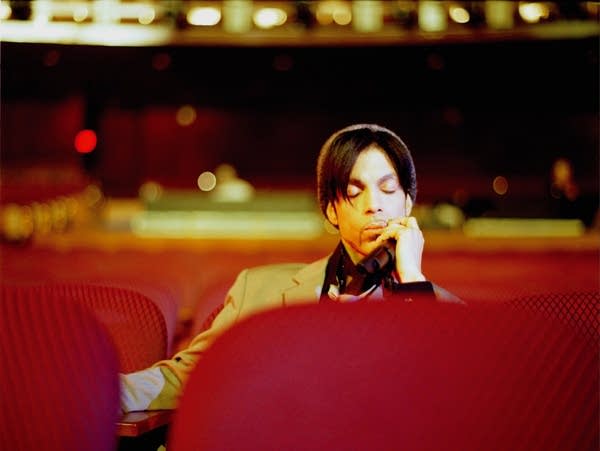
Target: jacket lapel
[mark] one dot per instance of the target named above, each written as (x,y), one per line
(307,283)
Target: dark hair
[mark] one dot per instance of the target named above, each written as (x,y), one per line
(339,153)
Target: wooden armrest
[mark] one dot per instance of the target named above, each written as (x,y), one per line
(133,424)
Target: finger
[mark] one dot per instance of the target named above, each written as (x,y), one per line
(411,222)
(392,231)
(401,221)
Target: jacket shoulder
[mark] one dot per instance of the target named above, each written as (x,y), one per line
(275,268)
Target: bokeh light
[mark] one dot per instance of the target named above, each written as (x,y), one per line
(80,13)
(161,61)
(333,11)
(283,63)
(146,15)
(150,191)
(207,181)
(500,185)
(459,14)
(51,58)
(533,12)
(186,115)
(204,16)
(85,141)
(5,11)
(266,18)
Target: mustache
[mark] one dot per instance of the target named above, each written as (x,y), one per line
(376,224)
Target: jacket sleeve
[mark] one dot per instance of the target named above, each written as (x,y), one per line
(160,386)
(443,295)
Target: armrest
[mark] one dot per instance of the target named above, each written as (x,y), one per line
(133,424)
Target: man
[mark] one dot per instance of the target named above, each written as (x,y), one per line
(366,189)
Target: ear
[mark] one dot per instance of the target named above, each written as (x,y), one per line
(331,214)
(408,205)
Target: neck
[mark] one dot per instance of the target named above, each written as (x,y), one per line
(352,253)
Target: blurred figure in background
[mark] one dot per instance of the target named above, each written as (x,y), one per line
(563,183)
(230,187)
(567,199)
(367,187)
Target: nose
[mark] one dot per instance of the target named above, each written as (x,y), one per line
(373,202)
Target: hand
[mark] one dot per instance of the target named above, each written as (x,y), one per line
(409,247)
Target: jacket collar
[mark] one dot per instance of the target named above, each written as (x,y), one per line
(307,283)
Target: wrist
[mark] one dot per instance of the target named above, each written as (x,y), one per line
(424,288)
(411,276)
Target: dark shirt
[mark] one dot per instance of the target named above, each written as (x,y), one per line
(342,273)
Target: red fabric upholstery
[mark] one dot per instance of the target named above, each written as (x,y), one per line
(134,321)
(168,278)
(418,376)
(59,385)
(580,310)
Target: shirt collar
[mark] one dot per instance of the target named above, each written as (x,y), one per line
(343,281)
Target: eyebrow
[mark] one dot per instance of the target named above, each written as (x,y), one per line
(385,178)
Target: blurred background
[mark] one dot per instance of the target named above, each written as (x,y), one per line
(497,100)
(155,126)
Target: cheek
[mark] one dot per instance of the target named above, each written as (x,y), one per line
(397,207)
(349,226)
(402,209)
(346,216)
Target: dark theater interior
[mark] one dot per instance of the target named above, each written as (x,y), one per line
(151,150)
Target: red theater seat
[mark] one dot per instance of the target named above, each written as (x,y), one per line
(135,322)
(580,310)
(59,385)
(418,376)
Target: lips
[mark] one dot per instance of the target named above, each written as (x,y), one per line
(377,224)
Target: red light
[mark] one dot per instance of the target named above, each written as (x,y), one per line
(85,141)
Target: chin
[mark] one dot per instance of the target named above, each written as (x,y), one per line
(368,248)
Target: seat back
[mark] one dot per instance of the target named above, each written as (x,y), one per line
(579,310)
(392,375)
(60,388)
(134,321)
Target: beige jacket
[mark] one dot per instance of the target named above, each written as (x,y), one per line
(254,290)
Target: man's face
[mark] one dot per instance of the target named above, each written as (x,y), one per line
(374,197)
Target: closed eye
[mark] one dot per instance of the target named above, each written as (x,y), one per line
(353,190)
(353,193)
(389,186)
